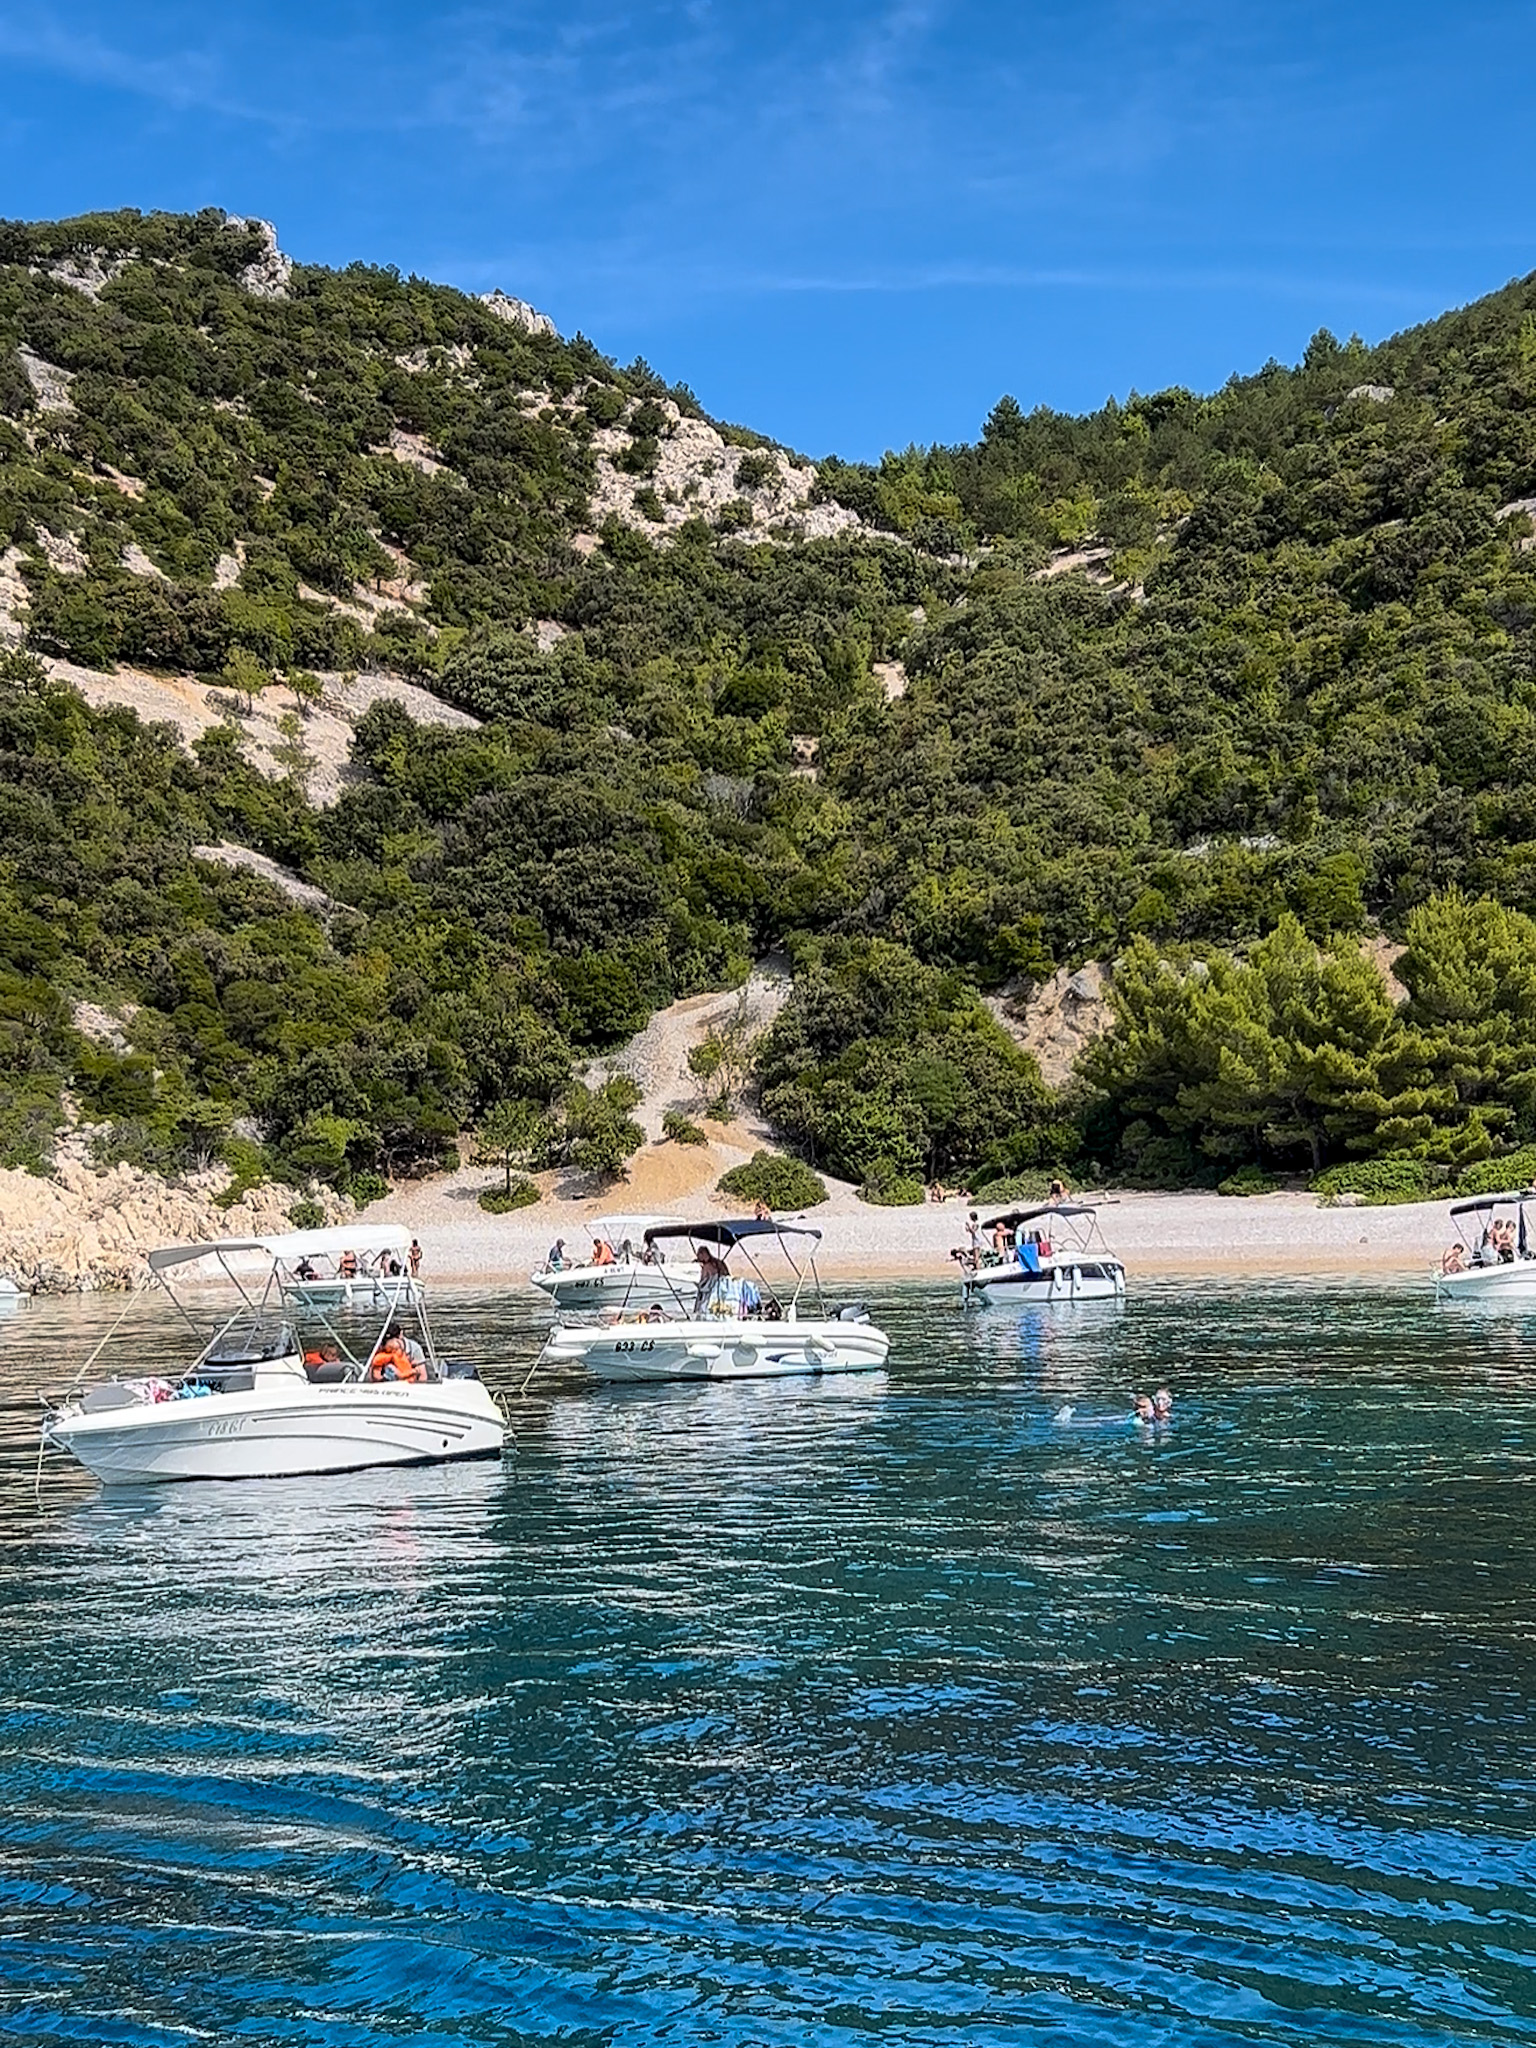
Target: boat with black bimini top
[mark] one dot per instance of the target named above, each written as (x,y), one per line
(257,1401)
(1492,1258)
(1041,1257)
(733,1325)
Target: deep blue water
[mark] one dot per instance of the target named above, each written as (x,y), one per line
(893,1708)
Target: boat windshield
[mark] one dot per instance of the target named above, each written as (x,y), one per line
(702,1279)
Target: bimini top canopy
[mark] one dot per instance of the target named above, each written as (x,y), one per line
(614,1229)
(290,1246)
(1486,1202)
(729,1234)
(1015,1217)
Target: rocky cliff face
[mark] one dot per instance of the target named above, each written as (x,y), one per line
(84,1229)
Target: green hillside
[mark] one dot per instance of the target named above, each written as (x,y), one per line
(1210,685)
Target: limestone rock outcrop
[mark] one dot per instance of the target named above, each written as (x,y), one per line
(86,1228)
(270,275)
(518,313)
(1059,1018)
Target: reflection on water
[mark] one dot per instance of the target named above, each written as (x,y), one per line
(901,1706)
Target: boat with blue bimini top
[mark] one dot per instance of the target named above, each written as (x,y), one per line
(1492,1258)
(1045,1256)
(258,1401)
(732,1325)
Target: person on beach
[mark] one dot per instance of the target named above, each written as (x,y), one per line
(1057,1191)
(761,1213)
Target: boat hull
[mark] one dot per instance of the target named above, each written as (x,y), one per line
(369,1293)
(640,1353)
(264,1435)
(594,1288)
(1512,1283)
(1066,1282)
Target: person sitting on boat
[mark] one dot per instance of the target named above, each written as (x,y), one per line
(1504,1243)
(602,1252)
(346,1266)
(1455,1259)
(761,1213)
(304,1270)
(1057,1191)
(397,1358)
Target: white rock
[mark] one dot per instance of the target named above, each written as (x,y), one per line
(50,384)
(272,272)
(518,313)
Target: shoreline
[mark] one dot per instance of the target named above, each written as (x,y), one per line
(1176,1235)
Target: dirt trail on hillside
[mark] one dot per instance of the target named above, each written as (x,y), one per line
(657,1057)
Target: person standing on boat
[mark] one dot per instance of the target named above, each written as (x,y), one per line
(346,1266)
(414,1255)
(555,1260)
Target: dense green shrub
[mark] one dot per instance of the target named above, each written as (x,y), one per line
(501,1201)
(1013,1187)
(366,1188)
(1492,1176)
(306,1214)
(1248,1180)
(681,1129)
(885,1185)
(771,1177)
(1396,1178)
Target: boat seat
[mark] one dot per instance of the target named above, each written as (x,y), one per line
(330,1372)
(96,1399)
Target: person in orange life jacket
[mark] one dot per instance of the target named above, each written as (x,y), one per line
(397,1358)
(602,1252)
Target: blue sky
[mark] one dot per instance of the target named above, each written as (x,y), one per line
(850,224)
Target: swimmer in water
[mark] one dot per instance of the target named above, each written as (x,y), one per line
(1162,1405)
(1142,1409)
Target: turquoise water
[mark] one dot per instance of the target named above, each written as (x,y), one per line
(893,1708)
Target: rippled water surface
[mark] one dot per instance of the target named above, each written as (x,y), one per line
(909,1707)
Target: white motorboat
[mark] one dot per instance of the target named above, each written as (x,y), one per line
(733,1326)
(1492,1258)
(631,1270)
(360,1266)
(1042,1257)
(257,1403)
